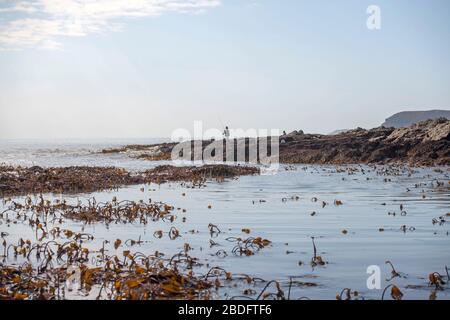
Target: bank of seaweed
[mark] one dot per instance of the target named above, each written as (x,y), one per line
(25,180)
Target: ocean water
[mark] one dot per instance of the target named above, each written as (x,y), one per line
(71,152)
(279,207)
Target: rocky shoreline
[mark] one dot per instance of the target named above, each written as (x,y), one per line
(423,144)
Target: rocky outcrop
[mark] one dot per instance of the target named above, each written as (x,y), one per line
(422,132)
(425,143)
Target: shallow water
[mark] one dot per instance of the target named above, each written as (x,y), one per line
(367,198)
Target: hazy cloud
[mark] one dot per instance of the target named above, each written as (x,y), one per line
(40,23)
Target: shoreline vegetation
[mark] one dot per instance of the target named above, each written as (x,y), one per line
(16,181)
(126,275)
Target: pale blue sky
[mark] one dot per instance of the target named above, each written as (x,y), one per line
(286,64)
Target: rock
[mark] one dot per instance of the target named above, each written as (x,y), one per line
(430,130)
(424,143)
(296,133)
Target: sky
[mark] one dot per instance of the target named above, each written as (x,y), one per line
(144,68)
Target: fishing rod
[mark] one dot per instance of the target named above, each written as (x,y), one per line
(221,123)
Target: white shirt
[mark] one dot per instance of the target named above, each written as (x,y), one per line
(226,133)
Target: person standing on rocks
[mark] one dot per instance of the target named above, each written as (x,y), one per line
(226,132)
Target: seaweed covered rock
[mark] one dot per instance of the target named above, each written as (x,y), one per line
(22,180)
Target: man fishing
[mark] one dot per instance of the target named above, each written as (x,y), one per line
(226,132)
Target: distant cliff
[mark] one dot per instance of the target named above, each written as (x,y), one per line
(407,118)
